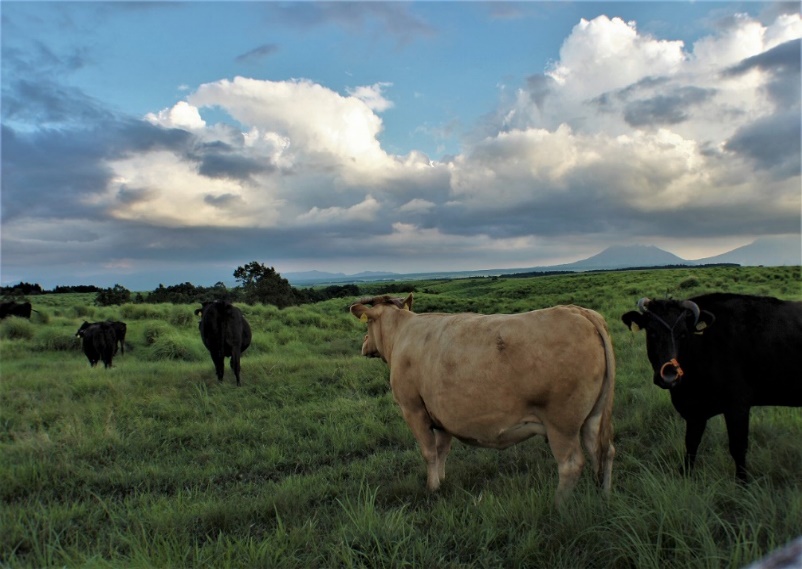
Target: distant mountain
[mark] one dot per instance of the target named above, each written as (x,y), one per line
(373,275)
(309,278)
(312,275)
(623,256)
(767,251)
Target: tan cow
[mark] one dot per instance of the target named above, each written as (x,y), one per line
(496,380)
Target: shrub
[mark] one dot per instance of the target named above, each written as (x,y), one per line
(83,311)
(13,328)
(41,317)
(155,330)
(690,282)
(173,346)
(59,340)
(141,311)
(181,315)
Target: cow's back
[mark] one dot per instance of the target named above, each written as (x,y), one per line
(756,341)
(477,372)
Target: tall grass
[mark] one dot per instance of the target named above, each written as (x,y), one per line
(153,463)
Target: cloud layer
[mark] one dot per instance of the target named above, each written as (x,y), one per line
(625,138)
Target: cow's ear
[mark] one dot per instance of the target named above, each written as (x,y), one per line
(706,320)
(361,312)
(408,302)
(633,320)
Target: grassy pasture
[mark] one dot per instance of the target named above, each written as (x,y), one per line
(153,463)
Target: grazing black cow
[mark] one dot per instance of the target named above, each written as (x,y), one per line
(19,309)
(120,329)
(225,333)
(723,353)
(99,342)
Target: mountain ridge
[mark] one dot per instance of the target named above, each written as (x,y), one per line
(767,251)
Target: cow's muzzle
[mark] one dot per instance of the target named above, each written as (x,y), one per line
(369,349)
(671,373)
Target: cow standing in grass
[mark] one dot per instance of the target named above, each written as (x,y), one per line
(99,342)
(18,309)
(496,380)
(723,353)
(120,329)
(225,333)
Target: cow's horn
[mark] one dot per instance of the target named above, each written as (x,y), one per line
(693,307)
(643,304)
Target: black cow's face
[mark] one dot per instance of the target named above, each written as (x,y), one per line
(670,326)
(82,329)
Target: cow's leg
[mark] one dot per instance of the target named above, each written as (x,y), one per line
(601,458)
(738,435)
(591,442)
(235,364)
(694,429)
(219,365)
(421,425)
(443,443)
(567,450)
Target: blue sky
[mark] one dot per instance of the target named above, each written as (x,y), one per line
(154,142)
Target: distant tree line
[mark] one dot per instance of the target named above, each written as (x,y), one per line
(258,284)
(21,289)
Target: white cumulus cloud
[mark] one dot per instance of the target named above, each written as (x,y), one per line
(180,115)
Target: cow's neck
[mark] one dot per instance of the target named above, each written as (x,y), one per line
(390,329)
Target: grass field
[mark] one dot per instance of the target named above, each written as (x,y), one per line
(153,463)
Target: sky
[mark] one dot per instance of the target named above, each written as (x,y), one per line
(148,143)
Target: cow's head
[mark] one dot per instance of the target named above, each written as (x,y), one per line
(82,329)
(670,327)
(369,311)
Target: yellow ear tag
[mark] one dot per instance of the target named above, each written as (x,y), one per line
(406,306)
(363,318)
(700,327)
(635,327)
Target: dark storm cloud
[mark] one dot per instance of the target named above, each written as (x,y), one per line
(45,102)
(232,167)
(671,108)
(562,216)
(51,171)
(131,196)
(257,53)
(223,201)
(653,101)
(783,62)
(221,160)
(133,135)
(772,143)
(46,172)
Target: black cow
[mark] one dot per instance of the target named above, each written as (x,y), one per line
(19,309)
(723,353)
(99,342)
(120,329)
(225,333)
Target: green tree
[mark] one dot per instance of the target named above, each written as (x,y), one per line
(118,294)
(263,284)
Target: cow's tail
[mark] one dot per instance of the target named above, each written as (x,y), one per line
(602,414)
